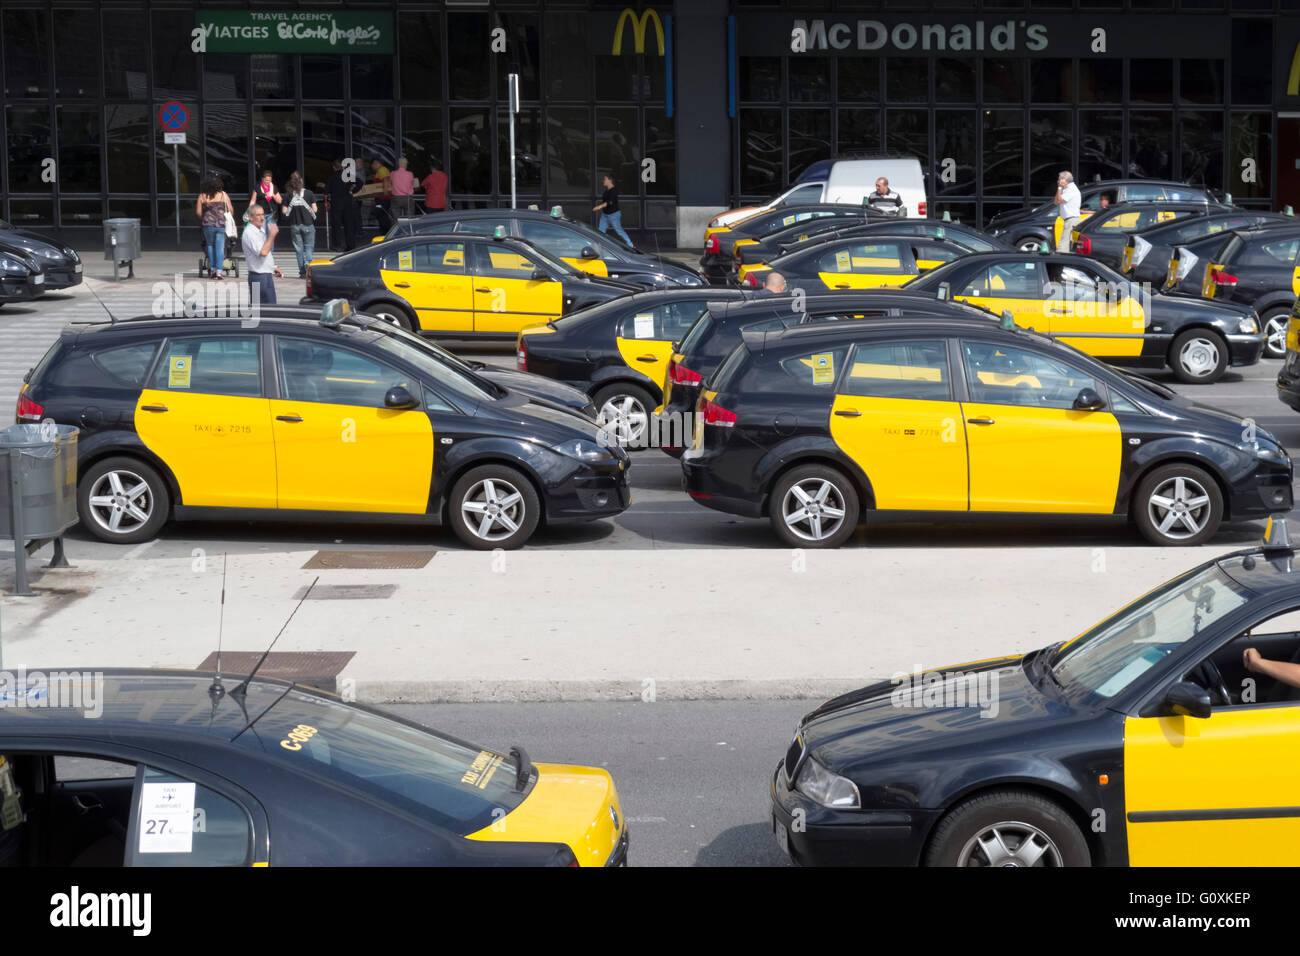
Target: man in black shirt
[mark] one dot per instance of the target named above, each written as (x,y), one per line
(610,216)
(342,234)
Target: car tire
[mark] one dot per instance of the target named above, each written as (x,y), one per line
(516,500)
(626,413)
(1030,243)
(1008,828)
(1198,357)
(390,312)
(1274,323)
(111,493)
(1156,499)
(831,489)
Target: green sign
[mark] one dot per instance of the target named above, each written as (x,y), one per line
(295,31)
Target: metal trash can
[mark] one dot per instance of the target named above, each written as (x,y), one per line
(38,490)
(122,243)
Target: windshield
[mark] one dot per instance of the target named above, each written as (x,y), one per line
(454,376)
(559,265)
(608,240)
(1108,659)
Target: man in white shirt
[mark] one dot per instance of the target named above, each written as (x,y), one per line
(1068,199)
(257,255)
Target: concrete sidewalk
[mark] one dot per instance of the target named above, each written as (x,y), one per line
(587,625)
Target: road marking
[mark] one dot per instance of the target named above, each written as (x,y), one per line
(138,550)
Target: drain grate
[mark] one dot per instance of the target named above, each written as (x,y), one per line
(369,560)
(346,592)
(318,669)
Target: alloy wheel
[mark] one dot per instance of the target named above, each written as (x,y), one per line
(121,502)
(1179,508)
(626,417)
(493,509)
(1010,843)
(1275,330)
(813,509)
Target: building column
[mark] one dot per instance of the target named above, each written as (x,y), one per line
(700,99)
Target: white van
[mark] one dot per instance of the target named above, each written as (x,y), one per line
(850,181)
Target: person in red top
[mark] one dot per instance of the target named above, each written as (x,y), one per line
(435,189)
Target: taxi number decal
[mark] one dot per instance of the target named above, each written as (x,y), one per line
(644,327)
(843,261)
(482,769)
(178,373)
(298,736)
(823,365)
(404,260)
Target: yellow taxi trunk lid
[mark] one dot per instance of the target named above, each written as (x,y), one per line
(576,806)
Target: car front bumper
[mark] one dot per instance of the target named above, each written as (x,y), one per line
(63,277)
(588,495)
(21,288)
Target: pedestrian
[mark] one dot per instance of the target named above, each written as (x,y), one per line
(1068,199)
(340,197)
(885,195)
(352,224)
(435,189)
(213,206)
(300,213)
(610,216)
(259,239)
(384,178)
(265,196)
(403,183)
(774,284)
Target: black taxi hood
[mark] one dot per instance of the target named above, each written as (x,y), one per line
(535,386)
(1211,309)
(613,285)
(1014,216)
(550,420)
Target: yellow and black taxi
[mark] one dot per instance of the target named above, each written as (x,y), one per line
(1040,226)
(799,237)
(462,285)
(719,330)
(338,419)
(578,244)
(22,275)
(1170,723)
(619,353)
(1093,308)
(860,261)
(719,260)
(59,262)
(1254,266)
(815,427)
(1288,379)
(183,769)
(1103,235)
(1146,252)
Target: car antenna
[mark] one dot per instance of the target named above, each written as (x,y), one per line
(242,689)
(216,691)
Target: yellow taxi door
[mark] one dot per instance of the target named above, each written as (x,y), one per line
(507,297)
(1017,287)
(1108,320)
(895,415)
(433,278)
(646,337)
(206,415)
(1223,790)
(337,446)
(866,265)
(1030,450)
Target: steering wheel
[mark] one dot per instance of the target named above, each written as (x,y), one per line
(1211,678)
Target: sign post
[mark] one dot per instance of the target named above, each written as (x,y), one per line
(513,80)
(174,117)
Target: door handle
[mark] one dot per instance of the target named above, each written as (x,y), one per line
(646,358)
(153,408)
(1055,311)
(980,421)
(843,287)
(849,413)
(288,418)
(402,285)
(85,802)
(482,290)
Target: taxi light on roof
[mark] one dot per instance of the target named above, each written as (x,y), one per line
(944,291)
(557,211)
(1275,535)
(499,232)
(1227,198)
(333,313)
(1008,320)
(1288,211)
(1043,246)
(947,216)
(940,233)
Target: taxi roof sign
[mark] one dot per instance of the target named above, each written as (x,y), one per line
(557,212)
(499,232)
(1276,537)
(1008,320)
(333,313)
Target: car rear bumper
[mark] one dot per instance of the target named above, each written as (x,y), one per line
(818,836)
(619,856)
(718,268)
(699,481)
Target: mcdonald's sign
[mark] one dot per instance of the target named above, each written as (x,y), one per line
(638,30)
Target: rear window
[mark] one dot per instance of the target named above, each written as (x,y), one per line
(731,369)
(127,363)
(34,374)
(439,779)
(700,333)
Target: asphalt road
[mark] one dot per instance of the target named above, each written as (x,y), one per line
(693,776)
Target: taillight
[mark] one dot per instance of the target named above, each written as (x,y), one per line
(715,414)
(521,355)
(29,411)
(1222,278)
(712,244)
(679,374)
(1084,245)
(920,209)
(751,280)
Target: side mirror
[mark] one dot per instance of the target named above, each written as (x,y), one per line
(1088,401)
(540,275)
(399,397)
(588,253)
(1186,699)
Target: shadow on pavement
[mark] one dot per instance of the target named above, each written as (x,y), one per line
(753,844)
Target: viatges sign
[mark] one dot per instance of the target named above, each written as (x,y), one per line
(294,31)
(1005,36)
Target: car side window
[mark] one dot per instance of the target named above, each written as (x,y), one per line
(127,363)
(910,370)
(930,254)
(1005,375)
(177,822)
(555,239)
(878,258)
(447,258)
(668,322)
(503,262)
(1283,250)
(481,227)
(316,372)
(212,365)
(804,194)
(818,369)
(1011,280)
(1141,193)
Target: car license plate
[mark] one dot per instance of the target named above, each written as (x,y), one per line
(782,836)
(77,268)
(39,278)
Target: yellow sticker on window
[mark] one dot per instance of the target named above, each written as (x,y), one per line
(823,368)
(404,260)
(789,221)
(1165,216)
(178,373)
(843,261)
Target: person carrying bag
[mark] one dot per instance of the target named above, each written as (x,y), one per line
(214,207)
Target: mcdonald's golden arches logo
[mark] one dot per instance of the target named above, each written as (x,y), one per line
(638,30)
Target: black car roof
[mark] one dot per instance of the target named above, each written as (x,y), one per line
(289,318)
(815,332)
(490,214)
(847,300)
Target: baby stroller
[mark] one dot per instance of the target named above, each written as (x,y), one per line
(230,267)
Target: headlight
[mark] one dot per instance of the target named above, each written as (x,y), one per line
(54,255)
(584,450)
(10,264)
(1266,453)
(1247,326)
(71,254)
(828,789)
